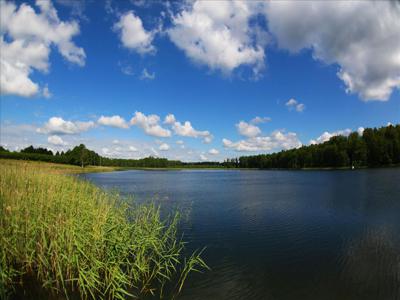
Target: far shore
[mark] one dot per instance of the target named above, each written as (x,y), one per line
(73,169)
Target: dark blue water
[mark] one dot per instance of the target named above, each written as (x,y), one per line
(282,234)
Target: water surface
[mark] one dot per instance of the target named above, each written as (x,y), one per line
(282,234)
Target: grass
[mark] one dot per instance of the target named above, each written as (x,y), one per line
(53,168)
(75,239)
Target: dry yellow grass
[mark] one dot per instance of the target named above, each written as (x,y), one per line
(53,168)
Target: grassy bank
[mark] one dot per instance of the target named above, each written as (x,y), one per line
(53,168)
(74,239)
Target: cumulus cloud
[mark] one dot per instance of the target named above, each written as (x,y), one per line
(213,151)
(218,34)
(247,129)
(362,37)
(56,140)
(276,141)
(30,35)
(186,129)
(113,121)
(133,35)
(150,124)
(326,136)
(57,125)
(259,120)
(294,104)
(169,119)
(164,147)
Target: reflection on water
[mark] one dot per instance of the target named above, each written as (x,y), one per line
(282,234)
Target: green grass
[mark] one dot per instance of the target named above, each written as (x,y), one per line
(74,238)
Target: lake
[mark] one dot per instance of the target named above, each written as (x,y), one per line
(281,234)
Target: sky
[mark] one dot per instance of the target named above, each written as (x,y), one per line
(195,80)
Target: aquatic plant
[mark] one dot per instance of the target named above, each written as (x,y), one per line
(74,238)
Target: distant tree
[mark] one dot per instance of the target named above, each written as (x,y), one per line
(376,147)
(38,150)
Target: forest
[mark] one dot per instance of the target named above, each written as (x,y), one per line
(376,147)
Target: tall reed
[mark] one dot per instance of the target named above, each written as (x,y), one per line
(72,237)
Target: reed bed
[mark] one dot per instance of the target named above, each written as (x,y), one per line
(74,238)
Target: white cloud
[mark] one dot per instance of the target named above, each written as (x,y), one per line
(113,121)
(133,149)
(106,151)
(247,129)
(179,142)
(147,75)
(31,36)
(154,152)
(19,136)
(164,147)
(300,107)
(362,37)
(208,139)
(126,69)
(294,104)
(203,157)
(115,142)
(259,120)
(276,141)
(291,102)
(360,131)
(326,136)
(218,34)
(186,129)
(56,140)
(46,92)
(150,124)
(213,151)
(57,125)
(169,119)
(133,35)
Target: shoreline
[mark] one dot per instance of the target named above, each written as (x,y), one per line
(73,169)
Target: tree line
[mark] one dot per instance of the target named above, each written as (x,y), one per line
(81,156)
(375,147)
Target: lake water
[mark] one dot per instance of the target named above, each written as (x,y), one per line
(282,234)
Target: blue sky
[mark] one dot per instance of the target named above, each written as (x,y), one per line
(216,65)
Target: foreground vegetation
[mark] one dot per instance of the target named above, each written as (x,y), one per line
(72,238)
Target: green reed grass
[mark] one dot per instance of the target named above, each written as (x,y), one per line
(72,237)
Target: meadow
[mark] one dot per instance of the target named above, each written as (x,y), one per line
(72,239)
